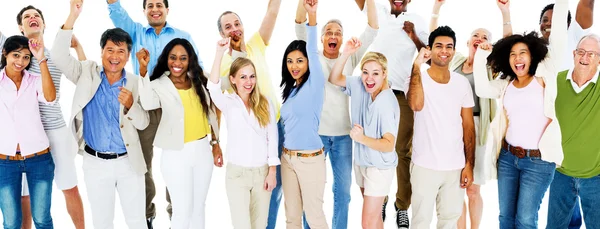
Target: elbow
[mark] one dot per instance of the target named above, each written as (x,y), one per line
(416,105)
(50,98)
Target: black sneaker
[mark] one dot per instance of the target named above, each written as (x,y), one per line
(401,218)
(383,209)
(149,222)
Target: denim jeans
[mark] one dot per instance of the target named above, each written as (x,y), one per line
(339,149)
(40,173)
(576,218)
(563,196)
(522,183)
(276,193)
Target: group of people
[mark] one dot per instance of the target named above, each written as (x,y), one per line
(522,111)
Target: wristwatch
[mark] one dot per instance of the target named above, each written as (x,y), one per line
(214,142)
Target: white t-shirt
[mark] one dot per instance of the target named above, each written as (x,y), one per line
(396,45)
(438,132)
(574,35)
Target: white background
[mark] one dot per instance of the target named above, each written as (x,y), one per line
(199,18)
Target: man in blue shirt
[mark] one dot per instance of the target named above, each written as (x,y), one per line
(152,37)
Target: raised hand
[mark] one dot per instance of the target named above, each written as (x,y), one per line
(423,57)
(143,57)
(125,97)
(503,5)
(310,6)
(37,49)
(485,46)
(74,42)
(438,4)
(76,7)
(223,45)
(352,45)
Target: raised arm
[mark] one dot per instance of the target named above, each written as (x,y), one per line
(60,52)
(78,49)
(504,6)
(360,4)
(558,36)
(372,14)
(336,76)
(121,19)
(435,14)
(585,13)
(214,84)
(48,89)
(316,74)
(416,96)
(483,86)
(2,39)
(268,23)
(300,20)
(189,38)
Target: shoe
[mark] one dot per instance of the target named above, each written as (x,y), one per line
(149,222)
(401,218)
(383,209)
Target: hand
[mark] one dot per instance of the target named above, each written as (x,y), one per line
(466,176)
(485,46)
(143,57)
(352,45)
(125,97)
(217,155)
(423,57)
(223,45)
(357,133)
(438,4)
(310,6)
(76,7)
(503,5)
(270,182)
(37,48)
(409,28)
(111,1)
(74,42)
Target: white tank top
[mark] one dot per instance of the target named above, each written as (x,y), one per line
(525,113)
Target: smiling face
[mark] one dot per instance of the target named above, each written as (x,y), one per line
(477,37)
(332,39)
(373,77)
(178,61)
(17,60)
(114,56)
(231,26)
(442,51)
(244,80)
(520,59)
(399,6)
(587,64)
(32,23)
(297,64)
(156,12)
(546,24)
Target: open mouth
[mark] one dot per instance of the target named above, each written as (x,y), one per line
(398,3)
(295,72)
(235,34)
(248,87)
(177,70)
(370,85)
(34,24)
(19,67)
(476,44)
(520,67)
(444,58)
(332,45)
(156,16)
(114,63)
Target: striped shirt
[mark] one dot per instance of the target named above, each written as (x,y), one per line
(52,117)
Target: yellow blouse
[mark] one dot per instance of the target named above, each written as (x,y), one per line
(195,121)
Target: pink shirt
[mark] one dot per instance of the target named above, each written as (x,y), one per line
(525,113)
(20,115)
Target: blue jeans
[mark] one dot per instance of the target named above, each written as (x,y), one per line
(576,219)
(40,173)
(522,183)
(276,193)
(339,149)
(563,196)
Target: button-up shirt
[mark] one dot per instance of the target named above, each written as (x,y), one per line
(249,145)
(146,37)
(101,120)
(575,86)
(20,115)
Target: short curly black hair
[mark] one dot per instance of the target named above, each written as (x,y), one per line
(499,59)
(551,7)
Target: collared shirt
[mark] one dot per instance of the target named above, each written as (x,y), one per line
(145,36)
(250,144)
(101,119)
(575,86)
(52,117)
(396,45)
(20,115)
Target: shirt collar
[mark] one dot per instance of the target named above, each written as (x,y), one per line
(3,75)
(123,76)
(593,80)
(150,28)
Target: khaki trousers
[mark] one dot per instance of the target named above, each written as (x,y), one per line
(248,199)
(146,140)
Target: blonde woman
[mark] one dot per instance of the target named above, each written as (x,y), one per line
(252,149)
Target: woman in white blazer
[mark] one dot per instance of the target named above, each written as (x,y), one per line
(178,86)
(252,148)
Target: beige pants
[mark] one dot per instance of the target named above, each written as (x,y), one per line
(435,188)
(248,199)
(303,182)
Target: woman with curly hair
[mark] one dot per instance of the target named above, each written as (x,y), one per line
(524,172)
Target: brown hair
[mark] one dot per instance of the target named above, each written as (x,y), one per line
(258,102)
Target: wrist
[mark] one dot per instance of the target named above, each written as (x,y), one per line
(214,142)
(43,60)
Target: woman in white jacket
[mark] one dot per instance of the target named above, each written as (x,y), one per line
(178,86)
(253,141)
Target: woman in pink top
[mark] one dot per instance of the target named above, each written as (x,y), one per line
(24,146)
(523,177)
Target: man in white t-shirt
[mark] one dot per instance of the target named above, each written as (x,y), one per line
(444,134)
(400,35)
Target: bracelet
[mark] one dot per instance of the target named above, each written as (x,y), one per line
(507,23)
(42,60)
(435,15)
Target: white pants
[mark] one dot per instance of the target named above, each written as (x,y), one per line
(187,174)
(101,178)
(63,150)
(435,188)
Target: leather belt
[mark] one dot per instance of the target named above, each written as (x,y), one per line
(300,154)
(19,157)
(520,152)
(475,114)
(105,156)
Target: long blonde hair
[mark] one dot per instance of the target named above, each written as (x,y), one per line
(258,102)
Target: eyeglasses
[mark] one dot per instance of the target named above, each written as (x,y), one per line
(337,34)
(589,54)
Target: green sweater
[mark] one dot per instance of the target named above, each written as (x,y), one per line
(578,115)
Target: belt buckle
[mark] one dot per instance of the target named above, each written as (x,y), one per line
(519,151)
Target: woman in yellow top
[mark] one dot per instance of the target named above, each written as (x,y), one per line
(178,86)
